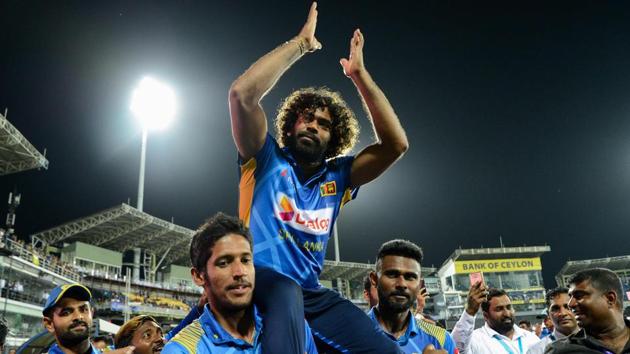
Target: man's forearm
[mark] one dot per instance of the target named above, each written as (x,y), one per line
(252,85)
(387,127)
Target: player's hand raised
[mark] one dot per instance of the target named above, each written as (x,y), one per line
(307,40)
(353,65)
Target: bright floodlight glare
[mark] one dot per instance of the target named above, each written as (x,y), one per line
(153,103)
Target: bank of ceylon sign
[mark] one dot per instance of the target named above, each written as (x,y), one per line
(498,265)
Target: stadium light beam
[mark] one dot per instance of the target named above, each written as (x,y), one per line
(153,104)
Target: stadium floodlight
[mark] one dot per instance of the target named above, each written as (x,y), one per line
(153,104)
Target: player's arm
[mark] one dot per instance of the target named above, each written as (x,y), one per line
(462,332)
(249,123)
(391,140)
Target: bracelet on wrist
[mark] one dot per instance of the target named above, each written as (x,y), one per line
(300,43)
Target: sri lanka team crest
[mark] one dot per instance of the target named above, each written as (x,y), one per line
(327,189)
(315,222)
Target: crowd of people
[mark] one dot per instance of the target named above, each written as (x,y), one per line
(260,270)
(585,318)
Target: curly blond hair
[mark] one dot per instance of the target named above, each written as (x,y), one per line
(344,132)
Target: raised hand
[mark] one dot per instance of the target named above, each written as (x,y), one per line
(354,63)
(476,295)
(306,37)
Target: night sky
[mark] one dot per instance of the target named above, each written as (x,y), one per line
(517,113)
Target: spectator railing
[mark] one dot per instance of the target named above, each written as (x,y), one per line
(60,268)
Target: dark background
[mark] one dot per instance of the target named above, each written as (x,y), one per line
(517,114)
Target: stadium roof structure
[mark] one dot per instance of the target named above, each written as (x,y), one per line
(616,264)
(345,270)
(122,228)
(17,154)
(352,271)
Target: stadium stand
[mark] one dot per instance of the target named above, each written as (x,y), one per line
(620,265)
(17,154)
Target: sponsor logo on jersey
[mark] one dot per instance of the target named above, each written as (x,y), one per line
(316,222)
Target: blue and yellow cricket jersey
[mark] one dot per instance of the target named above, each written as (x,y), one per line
(291,218)
(205,335)
(419,334)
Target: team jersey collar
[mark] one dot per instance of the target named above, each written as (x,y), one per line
(289,156)
(412,327)
(218,335)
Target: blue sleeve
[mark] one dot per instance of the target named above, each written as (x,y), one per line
(449,344)
(263,156)
(191,316)
(309,342)
(344,164)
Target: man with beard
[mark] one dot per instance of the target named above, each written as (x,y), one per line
(499,334)
(292,188)
(68,316)
(596,299)
(463,329)
(563,319)
(221,255)
(397,280)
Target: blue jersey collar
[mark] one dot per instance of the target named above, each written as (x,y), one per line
(218,335)
(412,327)
(289,156)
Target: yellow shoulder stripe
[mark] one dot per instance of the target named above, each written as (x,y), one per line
(246,190)
(438,332)
(347,196)
(189,336)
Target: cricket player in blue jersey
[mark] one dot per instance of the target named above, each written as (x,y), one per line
(397,281)
(67,315)
(293,186)
(221,255)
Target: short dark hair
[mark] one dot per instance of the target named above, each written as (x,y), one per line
(601,279)
(492,293)
(209,233)
(125,332)
(398,247)
(551,294)
(4,330)
(344,131)
(526,322)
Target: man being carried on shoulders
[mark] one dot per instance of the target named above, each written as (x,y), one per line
(293,186)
